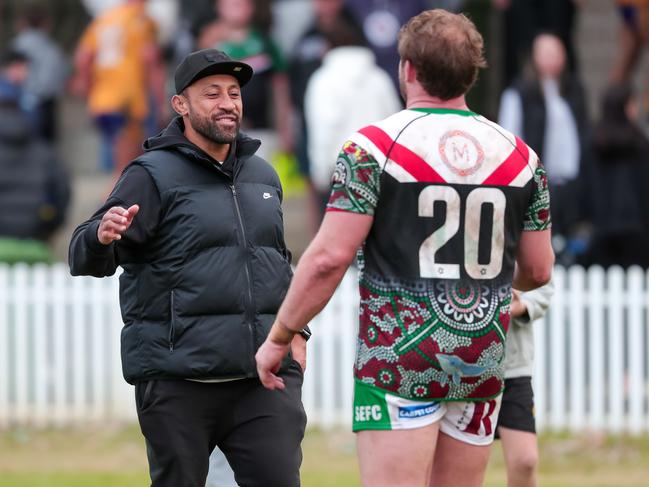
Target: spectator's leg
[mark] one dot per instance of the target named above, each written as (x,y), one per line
(521,456)
(220,474)
(109,125)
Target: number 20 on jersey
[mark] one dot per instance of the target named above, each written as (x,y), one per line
(428,267)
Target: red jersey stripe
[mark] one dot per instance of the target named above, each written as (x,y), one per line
(401,155)
(511,167)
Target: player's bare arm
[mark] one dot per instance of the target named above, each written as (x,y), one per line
(534,260)
(318,273)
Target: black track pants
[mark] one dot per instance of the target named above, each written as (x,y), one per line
(259,431)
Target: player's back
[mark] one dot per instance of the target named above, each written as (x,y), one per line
(453,192)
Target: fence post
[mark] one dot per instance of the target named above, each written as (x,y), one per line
(596,379)
(635,390)
(616,383)
(4,345)
(99,350)
(21,351)
(557,412)
(40,300)
(577,343)
(59,328)
(78,342)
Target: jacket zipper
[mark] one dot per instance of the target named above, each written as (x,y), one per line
(249,307)
(172,326)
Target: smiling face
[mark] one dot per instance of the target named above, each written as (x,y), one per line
(213,108)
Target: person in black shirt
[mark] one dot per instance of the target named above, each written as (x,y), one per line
(196,224)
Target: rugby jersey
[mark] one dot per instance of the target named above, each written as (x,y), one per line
(450,193)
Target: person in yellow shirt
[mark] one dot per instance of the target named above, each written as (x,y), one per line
(119,69)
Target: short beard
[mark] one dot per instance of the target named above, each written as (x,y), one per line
(209,129)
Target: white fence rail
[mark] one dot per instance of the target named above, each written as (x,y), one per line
(59,352)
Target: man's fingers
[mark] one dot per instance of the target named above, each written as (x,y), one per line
(112,226)
(132,211)
(268,378)
(115,222)
(118,210)
(271,381)
(130,214)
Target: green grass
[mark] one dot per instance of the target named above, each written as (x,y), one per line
(114,456)
(98,479)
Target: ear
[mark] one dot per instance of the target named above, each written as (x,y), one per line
(409,71)
(180,104)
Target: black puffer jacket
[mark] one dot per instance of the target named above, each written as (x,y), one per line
(200,294)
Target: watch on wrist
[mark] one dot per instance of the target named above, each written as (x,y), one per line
(305,333)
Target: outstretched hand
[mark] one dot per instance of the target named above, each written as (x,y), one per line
(115,222)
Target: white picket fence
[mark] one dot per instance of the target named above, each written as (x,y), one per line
(60,365)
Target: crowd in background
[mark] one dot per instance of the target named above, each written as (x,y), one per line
(337,74)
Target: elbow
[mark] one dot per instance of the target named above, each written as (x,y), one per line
(331,262)
(541,276)
(534,277)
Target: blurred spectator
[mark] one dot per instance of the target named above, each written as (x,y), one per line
(547,108)
(305,60)
(119,68)
(347,92)
(312,46)
(634,35)
(48,69)
(619,201)
(34,190)
(381,21)
(194,16)
(526,19)
(240,30)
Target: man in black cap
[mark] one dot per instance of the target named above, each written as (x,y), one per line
(196,224)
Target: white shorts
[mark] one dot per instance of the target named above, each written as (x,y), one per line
(472,422)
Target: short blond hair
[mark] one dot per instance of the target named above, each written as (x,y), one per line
(446,50)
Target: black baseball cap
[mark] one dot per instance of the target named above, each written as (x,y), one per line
(207,62)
